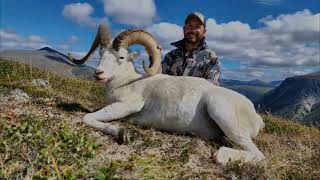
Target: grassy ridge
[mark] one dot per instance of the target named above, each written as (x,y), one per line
(75,91)
(35,144)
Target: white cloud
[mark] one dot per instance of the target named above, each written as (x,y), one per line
(71,40)
(80,13)
(9,35)
(301,26)
(8,45)
(287,41)
(301,20)
(12,40)
(265,73)
(35,39)
(256,74)
(22,45)
(268,2)
(133,12)
(63,46)
(33,45)
(231,31)
(165,33)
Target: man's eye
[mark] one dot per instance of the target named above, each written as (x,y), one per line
(193,27)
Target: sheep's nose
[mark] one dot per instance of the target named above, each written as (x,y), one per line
(99,71)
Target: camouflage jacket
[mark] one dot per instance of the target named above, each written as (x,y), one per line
(200,62)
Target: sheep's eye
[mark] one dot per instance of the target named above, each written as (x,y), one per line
(118,61)
(121,58)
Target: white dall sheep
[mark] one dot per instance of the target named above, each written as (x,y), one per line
(175,104)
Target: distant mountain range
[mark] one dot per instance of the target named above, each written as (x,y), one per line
(251,89)
(296,98)
(49,59)
(255,82)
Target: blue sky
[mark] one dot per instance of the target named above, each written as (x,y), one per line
(255,39)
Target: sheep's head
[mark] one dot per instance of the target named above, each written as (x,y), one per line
(115,58)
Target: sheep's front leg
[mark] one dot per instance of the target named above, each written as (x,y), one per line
(99,120)
(114,111)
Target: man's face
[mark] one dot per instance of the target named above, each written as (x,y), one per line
(194,30)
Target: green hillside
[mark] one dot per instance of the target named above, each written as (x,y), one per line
(42,137)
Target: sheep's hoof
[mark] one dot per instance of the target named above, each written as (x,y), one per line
(123,136)
(222,156)
(225,155)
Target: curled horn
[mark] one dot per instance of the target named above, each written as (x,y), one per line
(102,38)
(138,36)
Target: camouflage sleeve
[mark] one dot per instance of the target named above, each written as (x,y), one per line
(214,72)
(166,64)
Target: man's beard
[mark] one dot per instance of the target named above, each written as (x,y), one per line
(192,38)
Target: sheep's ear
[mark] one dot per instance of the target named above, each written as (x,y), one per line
(110,44)
(133,55)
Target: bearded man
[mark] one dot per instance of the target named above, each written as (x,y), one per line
(192,57)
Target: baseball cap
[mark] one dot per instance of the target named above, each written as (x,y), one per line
(197,15)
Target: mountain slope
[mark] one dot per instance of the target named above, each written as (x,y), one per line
(51,142)
(294,98)
(314,116)
(49,59)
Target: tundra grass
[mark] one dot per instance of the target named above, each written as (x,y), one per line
(43,148)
